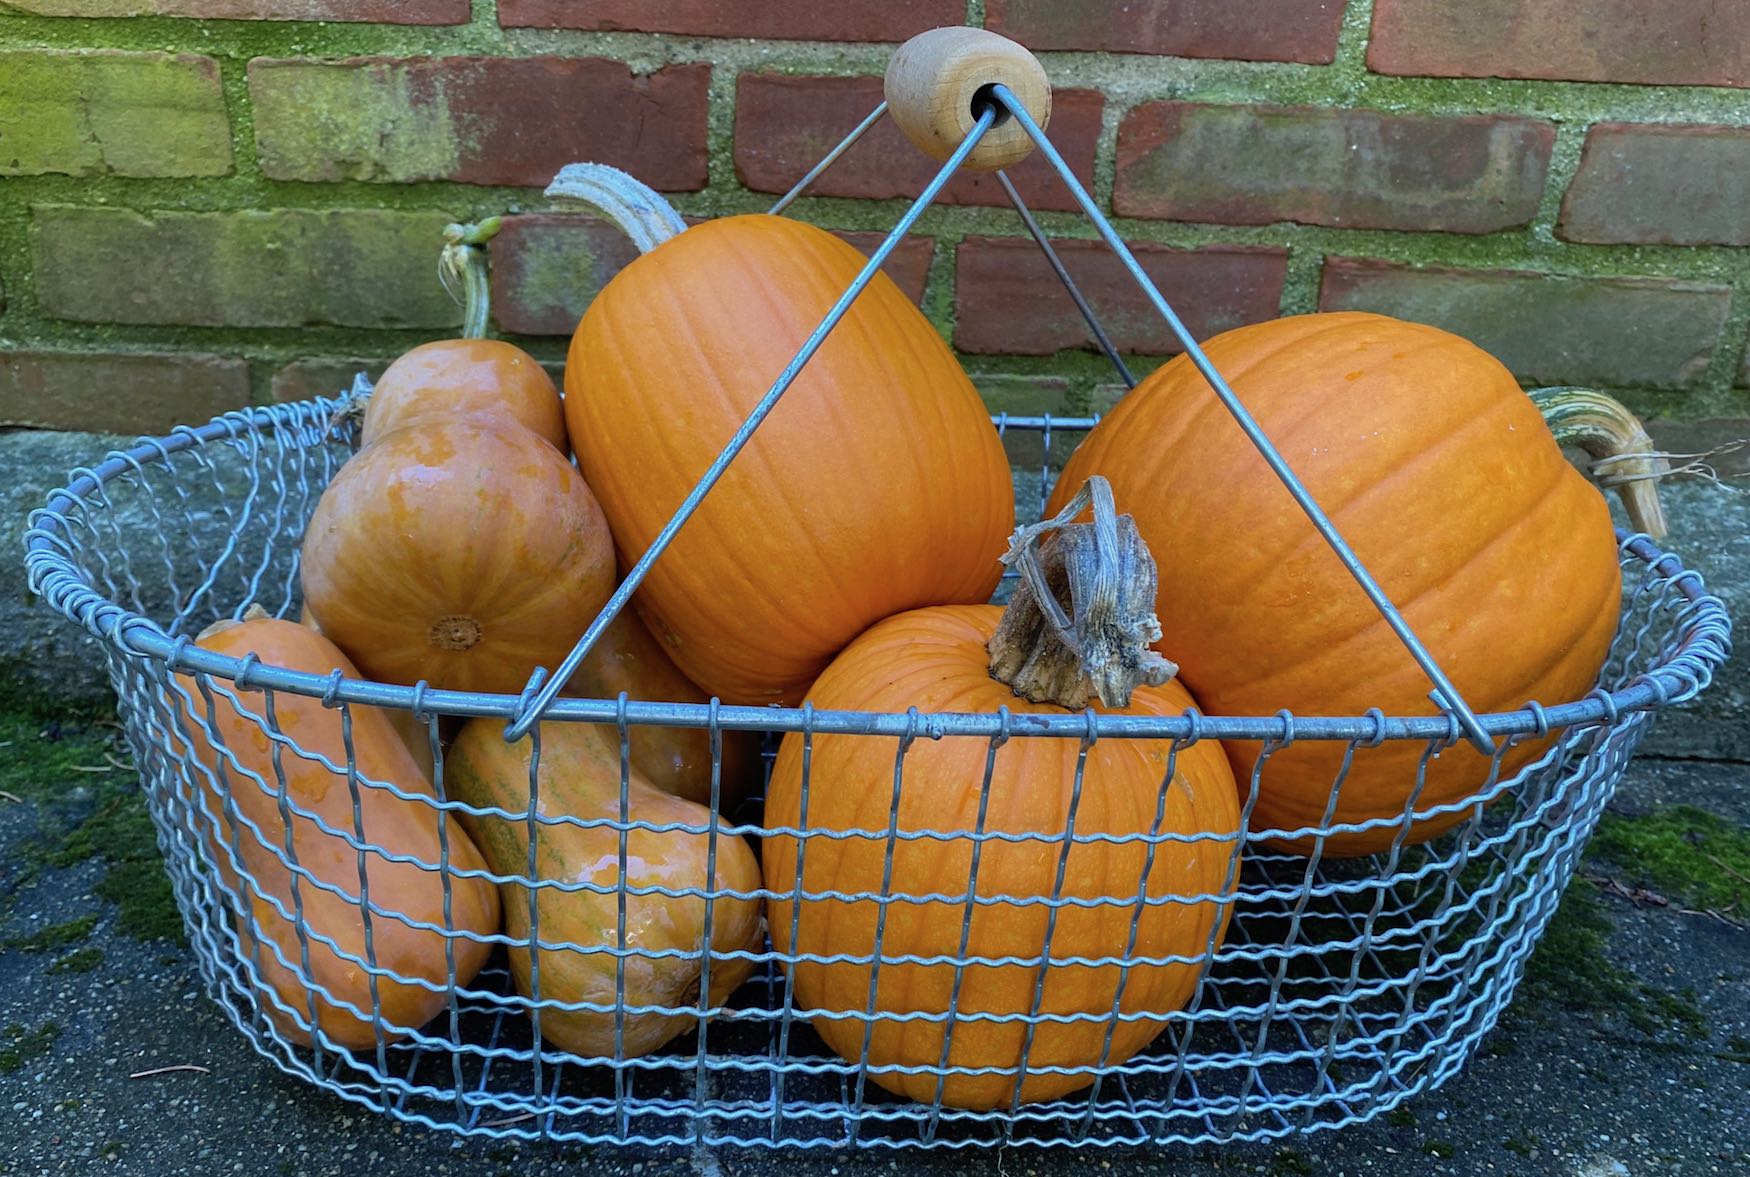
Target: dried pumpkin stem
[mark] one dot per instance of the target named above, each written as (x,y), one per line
(639,210)
(1100,647)
(1622,453)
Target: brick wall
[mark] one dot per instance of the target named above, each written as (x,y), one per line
(210,202)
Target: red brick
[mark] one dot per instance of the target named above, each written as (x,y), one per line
(271,268)
(1671,42)
(762,20)
(396,12)
(1253,30)
(131,393)
(1661,185)
(322,376)
(546,268)
(1007,300)
(479,120)
(1254,165)
(1615,332)
(783,125)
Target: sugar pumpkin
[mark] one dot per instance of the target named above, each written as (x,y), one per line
(877,484)
(943,659)
(1441,474)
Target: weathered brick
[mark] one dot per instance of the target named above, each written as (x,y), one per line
(1671,42)
(1661,185)
(1253,30)
(106,112)
(1253,165)
(1719,438)
(479,120)
(1744,369)
(1616,332)
(274,268)
(783,125)
(399,12)
(767,20)
(118,392)
(547,267)
(322,376)
(1007,300)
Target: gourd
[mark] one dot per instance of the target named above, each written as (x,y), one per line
(877,484)
(580,931)
(236,800)
(413,732)
(448,378)
(944,659)
(675,759)
(1441,474)
(463,552)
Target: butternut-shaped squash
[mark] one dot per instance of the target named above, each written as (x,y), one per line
(579,933)
(238,808)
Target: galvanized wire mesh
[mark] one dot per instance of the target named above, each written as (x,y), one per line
(1342,987)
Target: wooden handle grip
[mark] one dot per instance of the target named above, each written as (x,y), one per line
(933,83)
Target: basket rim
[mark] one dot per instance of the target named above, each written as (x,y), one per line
(1702,623)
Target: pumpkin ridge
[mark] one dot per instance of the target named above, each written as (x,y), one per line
(1310,540)
(1373,621)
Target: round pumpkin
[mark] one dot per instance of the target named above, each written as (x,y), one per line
(876,485)
(462,552)
(451,377)
(936,659)
(1442,476)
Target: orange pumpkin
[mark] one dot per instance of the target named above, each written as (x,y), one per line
(674,759)
(876,485)
(935,659)
(1441,474)
(462,377)
(414,891)
(462,552)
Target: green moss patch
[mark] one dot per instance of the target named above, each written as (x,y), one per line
(54,936)
(80,960)
(1689,855)
(1570,971)
(19,1044)
(89,807)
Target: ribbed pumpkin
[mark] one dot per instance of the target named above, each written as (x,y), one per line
(463,377)
(1441,474)
(945,659)
(463,552)
(876,485)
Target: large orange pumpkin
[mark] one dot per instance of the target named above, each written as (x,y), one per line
(876,485)
(464,553)
(935,659)
(1441,474)
(239,792)
(464,377)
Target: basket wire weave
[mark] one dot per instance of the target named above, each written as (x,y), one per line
(1342,988)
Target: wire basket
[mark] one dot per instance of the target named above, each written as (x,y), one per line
(1341,988)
